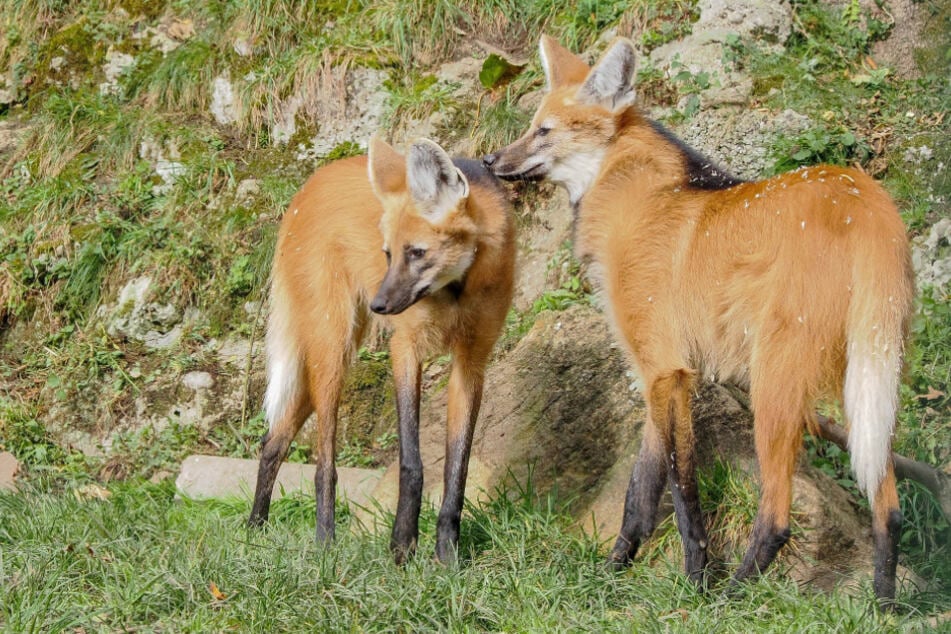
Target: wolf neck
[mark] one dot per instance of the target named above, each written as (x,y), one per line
(578,173)
(643,168)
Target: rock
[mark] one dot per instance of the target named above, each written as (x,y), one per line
(179,29)
(11,131)
(242,47)
(165,160)
(205,477)
(909,19)
(247,190)
(354,116)
(156,325)
(463,74)
(739,139)
(223,107)
(198,381)
(235,352)
(703,51)
(931,257)
(116,64)
(767,21)
(284,125)
(9,467)
(92,491)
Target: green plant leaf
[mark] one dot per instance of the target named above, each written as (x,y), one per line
(498,71)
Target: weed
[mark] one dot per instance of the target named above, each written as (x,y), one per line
(499,123)
(573,288)
(819,144)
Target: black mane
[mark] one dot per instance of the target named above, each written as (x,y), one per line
(702,173)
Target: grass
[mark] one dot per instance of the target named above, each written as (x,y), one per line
(141,560)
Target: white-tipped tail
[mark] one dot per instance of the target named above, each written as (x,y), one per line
(283,360)
(871,403)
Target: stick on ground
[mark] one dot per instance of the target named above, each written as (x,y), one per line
(924,474)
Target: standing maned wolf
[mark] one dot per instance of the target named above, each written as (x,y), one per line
(799,286)
(444,267)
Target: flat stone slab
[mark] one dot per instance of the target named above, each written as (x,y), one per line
(206,477)
(8,471)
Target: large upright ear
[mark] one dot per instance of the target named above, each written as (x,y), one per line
(561,66)
(436,185)
(387,168)
(611,81)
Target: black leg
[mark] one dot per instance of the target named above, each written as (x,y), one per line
(465,395)
(273,451)
(643,496)
(406,524)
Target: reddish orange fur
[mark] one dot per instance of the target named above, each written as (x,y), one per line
(766,283)
(328,266)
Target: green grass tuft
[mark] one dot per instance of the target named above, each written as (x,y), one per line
(140,559)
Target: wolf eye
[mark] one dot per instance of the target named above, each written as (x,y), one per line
(542,131)
(415,253)
(386,252)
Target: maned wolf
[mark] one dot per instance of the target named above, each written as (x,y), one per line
(799,287)
(443,267)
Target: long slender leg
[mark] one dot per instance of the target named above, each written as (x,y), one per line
(682,475)
(778,438)
(465,397)
(406,373)
(332,348)
(274,447)
(886,532)
(325,478)
(647,481)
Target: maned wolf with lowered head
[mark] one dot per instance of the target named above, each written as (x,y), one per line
(428,244)
(799,287)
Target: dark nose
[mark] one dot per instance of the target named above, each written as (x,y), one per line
(378,306)
(489,159)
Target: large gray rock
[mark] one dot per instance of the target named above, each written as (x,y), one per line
(931,256)
(766,23)
(135,317)
(205,477)
(350,106)
(223,106)
(739,139)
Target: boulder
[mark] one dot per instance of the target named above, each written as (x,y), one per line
(205,477)
(704,50)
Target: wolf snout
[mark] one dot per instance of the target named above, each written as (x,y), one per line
(379,306)
(489,159)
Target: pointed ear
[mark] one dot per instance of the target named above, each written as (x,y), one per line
(436,185)
(610,82)
(386,167)
(561,66)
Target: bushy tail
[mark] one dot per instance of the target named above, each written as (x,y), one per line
(284,380)
(879,311)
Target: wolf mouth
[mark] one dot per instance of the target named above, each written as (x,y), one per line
(534,173)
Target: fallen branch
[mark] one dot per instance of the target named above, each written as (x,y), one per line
(924,474)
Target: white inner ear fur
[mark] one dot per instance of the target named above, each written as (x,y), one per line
(436,185)
(545,64)
(610,83)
